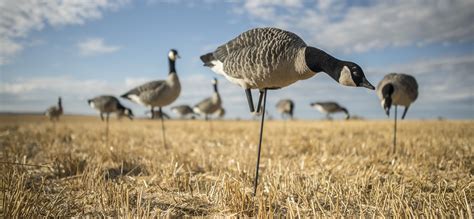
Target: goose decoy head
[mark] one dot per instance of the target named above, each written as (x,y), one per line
(173,54)
(387,92)
(352,75)
(347,113)
(128,112)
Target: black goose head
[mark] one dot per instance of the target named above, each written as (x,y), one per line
(387,91)
(128,112)
(344,72)
(346,112)
(173,54)
(351,74)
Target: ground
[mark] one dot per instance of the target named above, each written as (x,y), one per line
(308,168)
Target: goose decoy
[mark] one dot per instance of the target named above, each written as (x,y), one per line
(54,112)
(158,93)
(106,104)
(109,104)
(271,58)
(209,105)
(397,89)
(285,107)
(182,110)
(329,108)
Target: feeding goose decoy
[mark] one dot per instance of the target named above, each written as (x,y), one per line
(209,105)
(271,58)
(397,89)
(329,108)
(106,104)
(182,110)
(285,107)
(158,93)
(54,112)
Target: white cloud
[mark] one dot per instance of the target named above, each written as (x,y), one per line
(95,46)
(380,24)
(18,18)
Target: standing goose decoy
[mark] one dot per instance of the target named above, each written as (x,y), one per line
(271,58)
(329,108)
(182,110)
(54,112)
(397,89)
(285,107)
(209,105)
(109,104)
(158,93)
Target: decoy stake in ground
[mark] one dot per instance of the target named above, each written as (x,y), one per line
(271,58)
(158,93)
(397,89)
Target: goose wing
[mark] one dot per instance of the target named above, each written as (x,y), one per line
(147,90)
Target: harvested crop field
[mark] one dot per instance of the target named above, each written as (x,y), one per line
(308,168)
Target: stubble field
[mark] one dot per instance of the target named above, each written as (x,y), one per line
(308,168)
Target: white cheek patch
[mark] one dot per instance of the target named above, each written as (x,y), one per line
(345,77)
(172,56)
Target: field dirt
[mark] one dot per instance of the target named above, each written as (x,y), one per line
(308,168)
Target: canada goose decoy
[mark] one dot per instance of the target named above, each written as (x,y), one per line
(271,58)
(209,105)
(182,110)
(106,104)
(54,112)
(397,89)
(158,93)
(220,113)
(285,107)
(329,108)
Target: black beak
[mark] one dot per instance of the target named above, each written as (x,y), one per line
(365,83)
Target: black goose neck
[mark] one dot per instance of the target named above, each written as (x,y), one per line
(387,90)
(215,88)
(317,60)
(172,66)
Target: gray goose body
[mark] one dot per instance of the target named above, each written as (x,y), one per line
(109,104)
(262,58)
(329,108)
(182,110)
(286,107)
(405,88)
(158,93)
(209,105)
(54,112)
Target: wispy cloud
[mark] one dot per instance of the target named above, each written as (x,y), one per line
(351,27)
(20,17)
(95,46)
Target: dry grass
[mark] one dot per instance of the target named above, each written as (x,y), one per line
(308,168)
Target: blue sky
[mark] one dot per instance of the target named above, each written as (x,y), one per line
(81,49)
